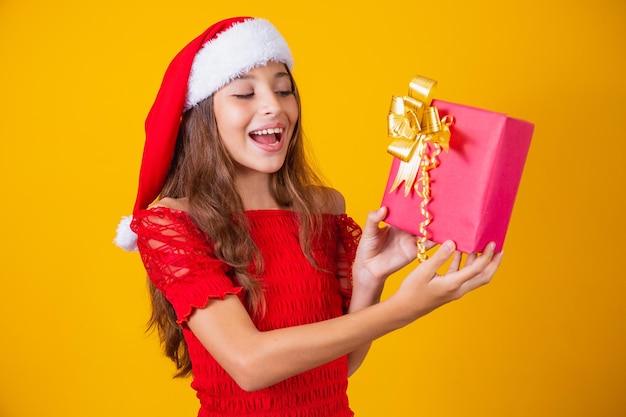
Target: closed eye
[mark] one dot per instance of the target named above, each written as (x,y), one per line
(244,96)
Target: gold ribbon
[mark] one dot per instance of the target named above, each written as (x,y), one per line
(413,124)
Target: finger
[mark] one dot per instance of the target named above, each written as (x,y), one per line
(439,258)
(471,258)
(456,262)
(477,266)
(373,219)
(493,265)
(429,244)
(485,276)
(480,262)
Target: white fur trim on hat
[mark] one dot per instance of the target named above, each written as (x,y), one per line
(125,237)
(237,50)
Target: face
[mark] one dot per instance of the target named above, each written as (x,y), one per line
(256,116)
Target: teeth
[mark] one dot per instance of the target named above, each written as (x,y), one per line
(268,131)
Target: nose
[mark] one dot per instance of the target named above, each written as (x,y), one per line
(269,103)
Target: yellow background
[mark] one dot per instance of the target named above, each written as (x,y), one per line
(546,338)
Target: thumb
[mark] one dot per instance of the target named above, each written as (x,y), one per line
(373,218)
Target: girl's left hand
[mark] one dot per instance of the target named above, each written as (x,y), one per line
(382,250)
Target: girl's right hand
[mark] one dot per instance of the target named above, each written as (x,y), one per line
(423,290)
(382,251)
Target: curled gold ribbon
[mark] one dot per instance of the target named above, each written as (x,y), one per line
(413,124)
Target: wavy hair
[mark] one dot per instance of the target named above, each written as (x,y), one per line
(203,172)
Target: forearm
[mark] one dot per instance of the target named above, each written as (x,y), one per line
(297,349)
(363,296)
(260,359)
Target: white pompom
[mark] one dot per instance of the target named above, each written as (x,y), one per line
(126,238)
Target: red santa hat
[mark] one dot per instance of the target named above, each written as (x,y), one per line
(223,52)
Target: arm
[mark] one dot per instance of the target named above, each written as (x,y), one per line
(259,359)
(382,251)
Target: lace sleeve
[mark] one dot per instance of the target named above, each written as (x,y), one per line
(179,260)
(348,236)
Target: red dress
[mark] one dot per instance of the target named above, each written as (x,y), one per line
(180,262)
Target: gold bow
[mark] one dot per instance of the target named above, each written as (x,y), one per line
(413,124)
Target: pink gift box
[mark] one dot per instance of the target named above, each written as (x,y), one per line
(474,187)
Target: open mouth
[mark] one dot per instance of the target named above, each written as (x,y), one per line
(269,137)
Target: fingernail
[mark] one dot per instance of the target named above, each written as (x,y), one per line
(448,245)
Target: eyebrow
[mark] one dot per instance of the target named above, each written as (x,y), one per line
(249,77)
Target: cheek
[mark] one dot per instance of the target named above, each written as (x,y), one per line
(292,112)
(228,120)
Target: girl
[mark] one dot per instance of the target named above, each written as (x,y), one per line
(262,287)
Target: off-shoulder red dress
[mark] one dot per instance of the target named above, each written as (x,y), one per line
(180,262)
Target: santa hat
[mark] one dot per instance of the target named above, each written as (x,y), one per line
(223,52)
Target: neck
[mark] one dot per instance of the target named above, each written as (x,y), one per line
(254,190)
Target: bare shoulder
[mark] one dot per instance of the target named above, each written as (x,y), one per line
(172,203)
(330,200)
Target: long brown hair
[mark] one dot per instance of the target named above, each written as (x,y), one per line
(203,172)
